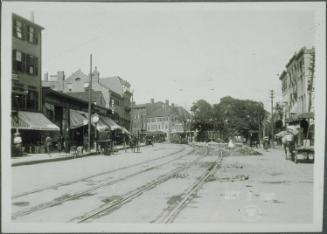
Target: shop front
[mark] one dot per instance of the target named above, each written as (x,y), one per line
(29,131)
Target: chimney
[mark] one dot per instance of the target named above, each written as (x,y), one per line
(46,76)
(152,100)
(95,75)
(32,16)
(60,80)
(167,102)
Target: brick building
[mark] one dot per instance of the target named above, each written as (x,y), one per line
(27,120)
(115,91)
(159,116)
(298,84)
(26,64)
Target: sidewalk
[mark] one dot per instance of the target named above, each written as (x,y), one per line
(56,156)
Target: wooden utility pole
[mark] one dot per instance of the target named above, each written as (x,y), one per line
(272,117)
(90,105)
(310,81)
(132,115)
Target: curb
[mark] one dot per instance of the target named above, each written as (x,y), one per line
(61,158)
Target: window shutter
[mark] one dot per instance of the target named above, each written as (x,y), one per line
(28,35)
(24,63)
(35,66)
(14,68)
(36,36)
(14,28)
(24,29)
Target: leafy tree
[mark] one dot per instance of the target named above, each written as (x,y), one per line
(202,117)
(238,117)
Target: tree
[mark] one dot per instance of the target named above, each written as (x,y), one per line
(239,117)
(202,118)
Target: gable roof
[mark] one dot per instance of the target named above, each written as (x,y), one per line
(76,74)
(113,83)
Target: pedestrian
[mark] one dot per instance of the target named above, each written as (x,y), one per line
(289,145)
(265,143)
(230,144)
(48,142)
(124,142)
(138,143)
(85,142)
(18,144)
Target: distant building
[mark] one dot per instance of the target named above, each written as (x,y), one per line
(298,83)
(115,91)
(139,118)
(159,116)
(54,82)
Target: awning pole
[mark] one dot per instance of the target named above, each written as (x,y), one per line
(90,92)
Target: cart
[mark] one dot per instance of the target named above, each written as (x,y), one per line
(105,146)
(305,150)
(304,153)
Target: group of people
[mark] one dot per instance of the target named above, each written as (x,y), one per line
(134,143)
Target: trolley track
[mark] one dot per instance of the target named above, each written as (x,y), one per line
(86,192)
(129,196)
(56,186)
(110,207)
(169,215)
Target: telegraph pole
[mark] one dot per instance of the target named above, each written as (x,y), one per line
(90,100)
(272,117)
(131,122)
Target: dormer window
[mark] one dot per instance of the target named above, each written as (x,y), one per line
(77,79)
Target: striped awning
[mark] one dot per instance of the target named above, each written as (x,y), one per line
(32,121)
(110,123)
(78,119)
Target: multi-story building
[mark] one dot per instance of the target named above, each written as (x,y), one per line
(26,64)
(139,117)
(115,91)
(159,116)
(28,121)
(297,83)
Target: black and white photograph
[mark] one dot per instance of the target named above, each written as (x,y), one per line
(162,116)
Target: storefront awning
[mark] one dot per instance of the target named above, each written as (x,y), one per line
(78,119)
(298,117)
(110,123)
(32,121)
(124,130)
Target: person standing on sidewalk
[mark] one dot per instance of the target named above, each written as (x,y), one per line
(48,141)
(85,142)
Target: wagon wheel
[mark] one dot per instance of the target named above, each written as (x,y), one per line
(295,158)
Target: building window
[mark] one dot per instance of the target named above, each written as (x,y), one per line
(25,63)
(18,29)
(32,100)
(31,63)
(32,38)
(17,61)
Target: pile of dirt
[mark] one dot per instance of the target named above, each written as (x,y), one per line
(242,151)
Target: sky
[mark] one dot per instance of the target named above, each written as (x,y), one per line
(182,52)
